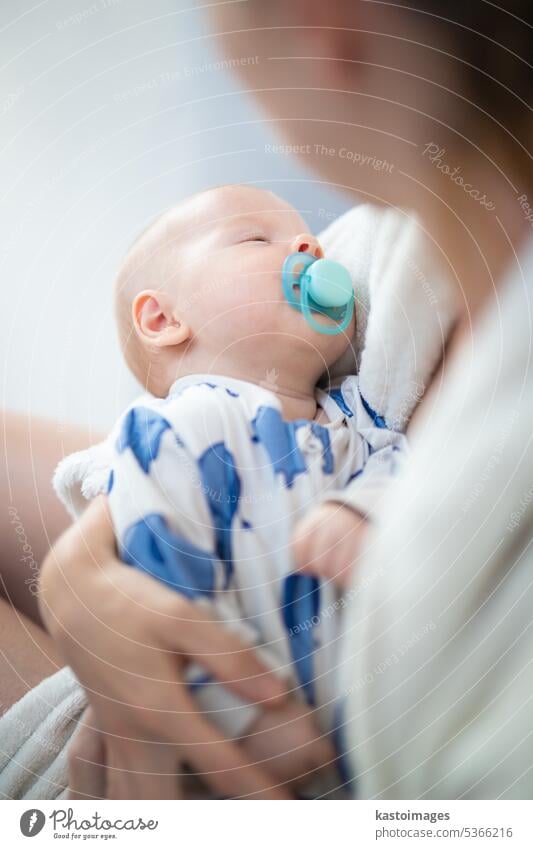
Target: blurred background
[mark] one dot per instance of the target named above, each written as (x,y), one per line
(111,111)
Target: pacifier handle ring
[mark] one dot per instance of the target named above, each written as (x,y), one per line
(287,277)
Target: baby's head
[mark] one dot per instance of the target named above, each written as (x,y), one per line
(200,292)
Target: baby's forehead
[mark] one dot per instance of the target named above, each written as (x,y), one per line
(223,204)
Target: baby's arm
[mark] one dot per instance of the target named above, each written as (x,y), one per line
(329,540)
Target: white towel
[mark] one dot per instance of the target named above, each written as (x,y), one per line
(34,735)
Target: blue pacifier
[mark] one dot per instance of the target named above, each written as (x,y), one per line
(323,286)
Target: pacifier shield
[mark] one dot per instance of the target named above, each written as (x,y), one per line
(322,286)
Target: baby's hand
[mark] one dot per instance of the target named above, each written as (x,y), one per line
(287,744)
(328,542)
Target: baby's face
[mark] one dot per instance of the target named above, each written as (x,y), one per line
(226,275)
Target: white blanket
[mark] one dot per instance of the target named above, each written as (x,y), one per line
(34,735)
(405,307)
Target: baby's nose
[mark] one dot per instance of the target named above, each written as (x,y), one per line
(306,243)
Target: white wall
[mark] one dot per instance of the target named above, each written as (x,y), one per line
(110,111)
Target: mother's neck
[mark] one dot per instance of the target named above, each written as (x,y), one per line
(479,242)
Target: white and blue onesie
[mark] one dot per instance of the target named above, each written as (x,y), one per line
(205,489)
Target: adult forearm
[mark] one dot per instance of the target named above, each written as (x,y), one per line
(31,517)
(27,655)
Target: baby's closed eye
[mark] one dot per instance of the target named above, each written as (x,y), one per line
(254,237)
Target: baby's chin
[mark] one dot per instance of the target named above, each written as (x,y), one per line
(330,346)
(281,330)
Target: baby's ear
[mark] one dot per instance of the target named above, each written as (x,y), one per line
(156,322)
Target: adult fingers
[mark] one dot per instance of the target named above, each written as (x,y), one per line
(143,770)
(222,653)
(224,767)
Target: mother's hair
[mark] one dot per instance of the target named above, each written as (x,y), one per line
(495,47)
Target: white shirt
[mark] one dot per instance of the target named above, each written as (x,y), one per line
(438,653)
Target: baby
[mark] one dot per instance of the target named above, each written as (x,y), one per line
(213,473)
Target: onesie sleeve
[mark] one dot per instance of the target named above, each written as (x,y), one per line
(159,512)
(386,452)
(365,491)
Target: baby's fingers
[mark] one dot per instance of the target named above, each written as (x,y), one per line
(312,544)
(327,543)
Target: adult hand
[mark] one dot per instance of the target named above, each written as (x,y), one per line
(328,541)
(128,637)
